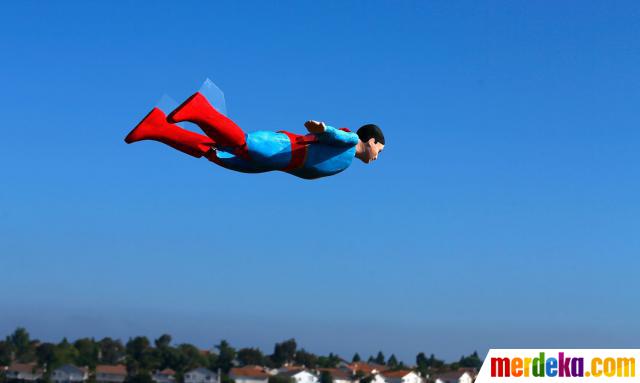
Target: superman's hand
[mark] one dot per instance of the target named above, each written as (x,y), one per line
(315,127)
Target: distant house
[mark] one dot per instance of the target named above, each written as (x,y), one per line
(70,374)
(111,374)
(367,368)
(200,375)
(249,374)
(300,376)
(286,369)
(339,375)
(28,372)
(473,372)
(399,376)
(165,376)
(461,376)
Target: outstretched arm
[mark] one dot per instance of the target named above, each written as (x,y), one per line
(330,135)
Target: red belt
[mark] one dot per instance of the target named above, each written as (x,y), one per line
(299,147)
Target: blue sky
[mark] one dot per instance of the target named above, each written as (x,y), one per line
(504,211)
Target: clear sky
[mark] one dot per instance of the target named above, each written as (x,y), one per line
(504,211)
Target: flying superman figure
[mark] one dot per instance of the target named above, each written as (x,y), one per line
(325,151)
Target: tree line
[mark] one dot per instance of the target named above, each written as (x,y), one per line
(142,357)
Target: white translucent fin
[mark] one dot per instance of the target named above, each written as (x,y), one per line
(214,95)
(167,105)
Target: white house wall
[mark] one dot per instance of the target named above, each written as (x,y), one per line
(305,377)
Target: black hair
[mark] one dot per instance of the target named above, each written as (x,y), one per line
(370,131)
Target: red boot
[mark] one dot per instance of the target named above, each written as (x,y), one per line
(155,127)
(215,125)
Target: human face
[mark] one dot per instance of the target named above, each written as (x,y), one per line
(372,149)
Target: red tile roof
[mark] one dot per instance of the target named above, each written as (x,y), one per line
(338,373)
(367,368)
(249,371)
(167,371)
(25,367)
(396,374)
(118,369)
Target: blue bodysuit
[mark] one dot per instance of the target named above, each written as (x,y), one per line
(309,157)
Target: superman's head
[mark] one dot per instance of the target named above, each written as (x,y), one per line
(371,143)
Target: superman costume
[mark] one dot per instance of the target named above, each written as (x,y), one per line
(308,156)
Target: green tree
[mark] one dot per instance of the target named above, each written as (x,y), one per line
(20,340)
(190,357)
(22,345)
(393,361)
(137,347)
(435,363)
(64,353)
(284,352)
(306,359)
(379,358)
(88,351)
(139,378)
(163,342)
(325,377)
(472,361)
(164,355)
(356,358)
(330,361)
(170,357)
(139,355)
(422,362)
(45,354)
(5,353)
(226,355)
(111,351)
(250,356)
(212,361)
